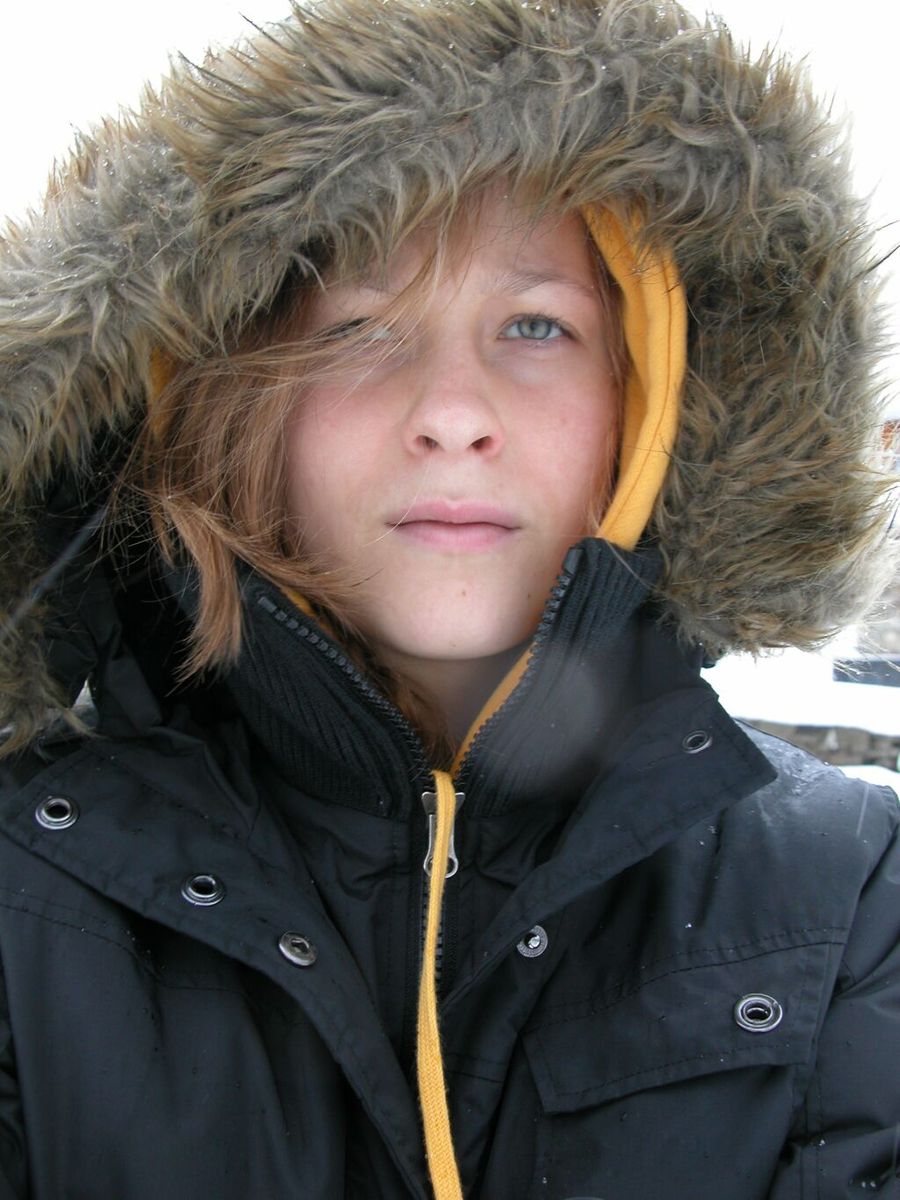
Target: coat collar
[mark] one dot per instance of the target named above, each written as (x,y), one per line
(326,729)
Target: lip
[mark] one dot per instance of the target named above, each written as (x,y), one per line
(445,524)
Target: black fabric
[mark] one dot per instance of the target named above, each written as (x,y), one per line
(321,723)
(150,1046)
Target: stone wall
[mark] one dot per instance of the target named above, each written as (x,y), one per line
(834,744)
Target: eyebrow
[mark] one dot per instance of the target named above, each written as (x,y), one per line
(525,281)
(512,281)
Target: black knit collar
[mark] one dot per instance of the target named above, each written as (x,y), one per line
(328,731)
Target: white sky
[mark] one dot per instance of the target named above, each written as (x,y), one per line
(67,63)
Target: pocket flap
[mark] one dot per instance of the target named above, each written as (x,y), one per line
(678,1025)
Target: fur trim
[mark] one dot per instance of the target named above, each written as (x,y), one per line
(333,127)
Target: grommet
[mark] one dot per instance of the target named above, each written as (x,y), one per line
(758,1013)
(534,943)
(297,949)
(56,812)
(203,890)
(695,741)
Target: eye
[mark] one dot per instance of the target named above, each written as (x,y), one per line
(535,328)
(373,332)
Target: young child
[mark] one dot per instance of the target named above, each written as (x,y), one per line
(396,413)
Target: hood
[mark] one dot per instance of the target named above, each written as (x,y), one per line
(170,226)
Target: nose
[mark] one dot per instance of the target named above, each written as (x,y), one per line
(454,406)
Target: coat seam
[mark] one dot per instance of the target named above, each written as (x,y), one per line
(121,764)
(23,897)
(132,953)
(64,924)
(721,962)
(719,1055)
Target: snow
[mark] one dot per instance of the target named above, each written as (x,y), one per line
(872,774)
(794,688)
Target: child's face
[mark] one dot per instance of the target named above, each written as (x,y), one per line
(452,474)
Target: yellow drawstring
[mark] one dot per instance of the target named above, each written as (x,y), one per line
(430,1065)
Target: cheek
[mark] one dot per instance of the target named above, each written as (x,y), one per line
(304,470)
(575,449)
(332,454)
(312,446)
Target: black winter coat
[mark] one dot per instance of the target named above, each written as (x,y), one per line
(675,976)
(669,964)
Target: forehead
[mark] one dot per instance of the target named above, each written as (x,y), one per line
(494,239)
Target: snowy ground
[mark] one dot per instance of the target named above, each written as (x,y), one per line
(792,688)
(873,774)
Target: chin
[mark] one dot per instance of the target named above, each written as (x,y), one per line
(444,626)
(443,646)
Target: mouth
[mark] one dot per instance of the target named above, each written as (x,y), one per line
(455,526)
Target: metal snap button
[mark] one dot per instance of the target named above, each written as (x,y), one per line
(297,949)
(533,943)
(203,890)
(695,741)
(758,1013)
(56,812)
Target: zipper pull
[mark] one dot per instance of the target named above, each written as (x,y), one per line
(429,803)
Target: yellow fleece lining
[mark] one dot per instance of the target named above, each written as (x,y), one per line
(429,1064)
(300,601)
(654,317)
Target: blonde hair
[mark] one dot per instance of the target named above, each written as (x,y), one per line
(211,468)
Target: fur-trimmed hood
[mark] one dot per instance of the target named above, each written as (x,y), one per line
(170,225)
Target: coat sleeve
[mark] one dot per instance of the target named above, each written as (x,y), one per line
(13,1170)
(847,1143)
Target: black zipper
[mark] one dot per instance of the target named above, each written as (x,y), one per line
(334,653)
(548,620)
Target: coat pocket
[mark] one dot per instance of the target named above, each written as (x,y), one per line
(681,1085)
(694,1020)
